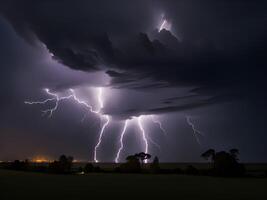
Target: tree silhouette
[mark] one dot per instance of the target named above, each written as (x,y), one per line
(209,154)
(63,165)
(132,158)
(234,153)
(65,162)
(143,156)
(225,163)
(154,167)
(88,168)
(132,165)
(20,165)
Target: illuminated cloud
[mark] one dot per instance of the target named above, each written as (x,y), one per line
(215,63)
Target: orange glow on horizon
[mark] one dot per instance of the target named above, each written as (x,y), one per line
(41,159)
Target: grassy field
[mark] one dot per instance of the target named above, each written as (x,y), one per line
(254,169)
(198,165)
(27,185)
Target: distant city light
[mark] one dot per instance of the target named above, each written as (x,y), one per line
(41,159)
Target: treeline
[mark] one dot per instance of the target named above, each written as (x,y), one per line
(222,163)
(64,165)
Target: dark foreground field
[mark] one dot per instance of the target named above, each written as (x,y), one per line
(27,185)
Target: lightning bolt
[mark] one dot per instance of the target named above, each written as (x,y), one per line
(57,99)
(100,137)
(121,141)
(143,134)
(101,104)
(145,137)
(196,132)
(153,142)
(84,117)
(162,25)
(156,121)
(84,103)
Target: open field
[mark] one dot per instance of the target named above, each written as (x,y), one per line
(198,165)
(255,169)
(27,185)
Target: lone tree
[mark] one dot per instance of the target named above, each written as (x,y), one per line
(142,157)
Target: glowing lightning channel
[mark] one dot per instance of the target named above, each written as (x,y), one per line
(162,25)
(100,137)
(143,134)
(121,141)
(55,98)
(195,131)
(153,142)
(101,104)
(156,121)
(84,103)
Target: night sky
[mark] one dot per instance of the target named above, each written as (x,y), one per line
(166,61)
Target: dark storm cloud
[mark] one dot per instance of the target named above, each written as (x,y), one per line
(217,47)
(77,33)
(178,104)
(214,53)
(23,132)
